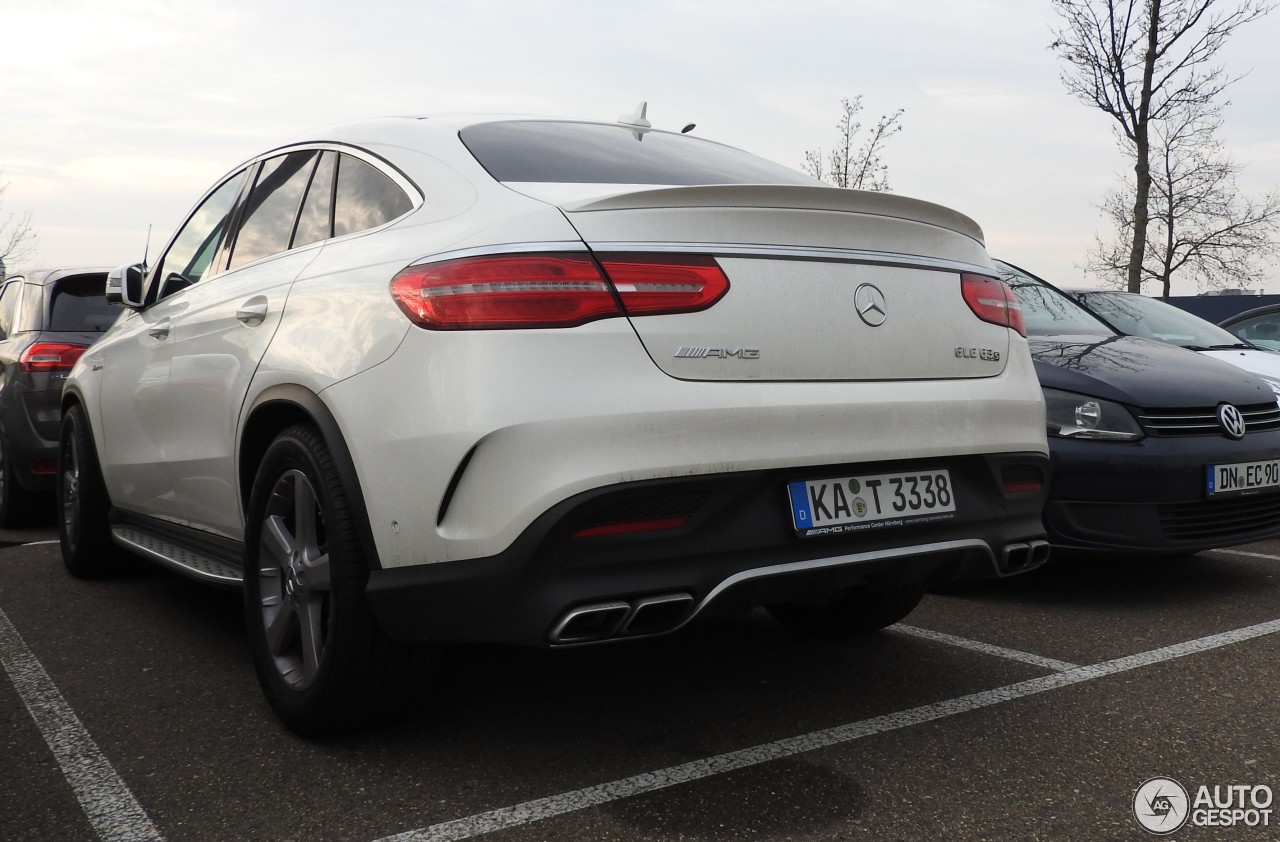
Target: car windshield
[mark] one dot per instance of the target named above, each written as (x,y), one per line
(1138,315)
(1047,311)
(593,153)
(80,304)
(1261,329)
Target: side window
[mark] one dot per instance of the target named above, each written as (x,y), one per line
(315,223)
(272,207)
(192,252)
(9,305)
(365,198)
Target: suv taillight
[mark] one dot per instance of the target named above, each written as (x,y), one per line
(51,356)
(553,290)
(991,300)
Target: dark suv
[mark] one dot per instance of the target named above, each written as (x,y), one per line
(47,319)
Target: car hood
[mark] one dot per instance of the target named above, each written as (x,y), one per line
(1142,372)
(1265,364)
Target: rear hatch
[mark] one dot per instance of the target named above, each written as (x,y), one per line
(824,284)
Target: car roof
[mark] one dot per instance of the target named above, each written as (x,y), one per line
(44,277)
(1264,310)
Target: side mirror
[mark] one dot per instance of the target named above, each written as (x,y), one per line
(124,285)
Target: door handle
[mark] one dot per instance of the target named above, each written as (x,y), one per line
(160,330)
(253,311)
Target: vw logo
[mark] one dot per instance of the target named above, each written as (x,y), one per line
(1231,420)
(869,302)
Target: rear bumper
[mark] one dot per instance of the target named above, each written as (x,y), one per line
(736,550)
(25,441)
(1151,496)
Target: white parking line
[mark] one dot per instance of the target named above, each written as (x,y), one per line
(1247,554)
(987,648)
(115,814)
(556,805)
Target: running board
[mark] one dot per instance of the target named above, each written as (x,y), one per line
(201,565)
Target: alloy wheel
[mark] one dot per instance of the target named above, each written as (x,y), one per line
(293,580)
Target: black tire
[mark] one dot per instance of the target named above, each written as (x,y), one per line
(324,663)
(83,505)
(856,611)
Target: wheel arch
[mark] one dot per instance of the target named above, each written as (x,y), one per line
(279,408)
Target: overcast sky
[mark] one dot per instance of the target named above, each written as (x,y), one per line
(118,114)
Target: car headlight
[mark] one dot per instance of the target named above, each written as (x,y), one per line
(1072,416)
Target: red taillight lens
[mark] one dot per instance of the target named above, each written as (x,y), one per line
(649,285)
(554,290)
(51,356)
(505,291)
(991,300)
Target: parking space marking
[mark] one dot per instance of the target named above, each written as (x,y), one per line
(1247,554)
(986,648)
(569,802)
(108,803)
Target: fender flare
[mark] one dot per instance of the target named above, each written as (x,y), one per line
(297,400)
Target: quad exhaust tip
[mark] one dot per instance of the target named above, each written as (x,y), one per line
(601,621)
(1024,555)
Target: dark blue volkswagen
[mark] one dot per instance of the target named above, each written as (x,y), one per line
(1156,450)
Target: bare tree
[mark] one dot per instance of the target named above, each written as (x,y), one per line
(1142,62)
(852,165)
(1199,223)
(17,240)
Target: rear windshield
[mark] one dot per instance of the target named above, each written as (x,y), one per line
(80,304)
(593,153)
(1048,312)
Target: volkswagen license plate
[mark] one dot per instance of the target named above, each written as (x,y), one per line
(849,504)
(1244,476)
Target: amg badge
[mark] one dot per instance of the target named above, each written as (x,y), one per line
(696,353)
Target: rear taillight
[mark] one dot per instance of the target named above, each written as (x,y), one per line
(553,290)
(649,285)
(51,356)
(991,300)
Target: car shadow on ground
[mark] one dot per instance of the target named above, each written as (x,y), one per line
(1118,581)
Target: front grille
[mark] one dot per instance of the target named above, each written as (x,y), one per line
(1203,421)
(1226,518)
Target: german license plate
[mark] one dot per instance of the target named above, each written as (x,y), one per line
(871,501)
(1244,476)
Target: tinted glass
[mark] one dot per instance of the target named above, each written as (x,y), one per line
(9,305)
(272,207)
(1138,315)
(1262,330)
(79,304)
(194,247)
(588,153)
(315,223)
(1048,312)
(365,198)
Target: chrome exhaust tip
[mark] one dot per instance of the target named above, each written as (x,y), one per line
(587,623)
(1015,557)
(657,614)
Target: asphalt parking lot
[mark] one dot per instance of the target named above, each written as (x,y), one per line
(1028,709)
